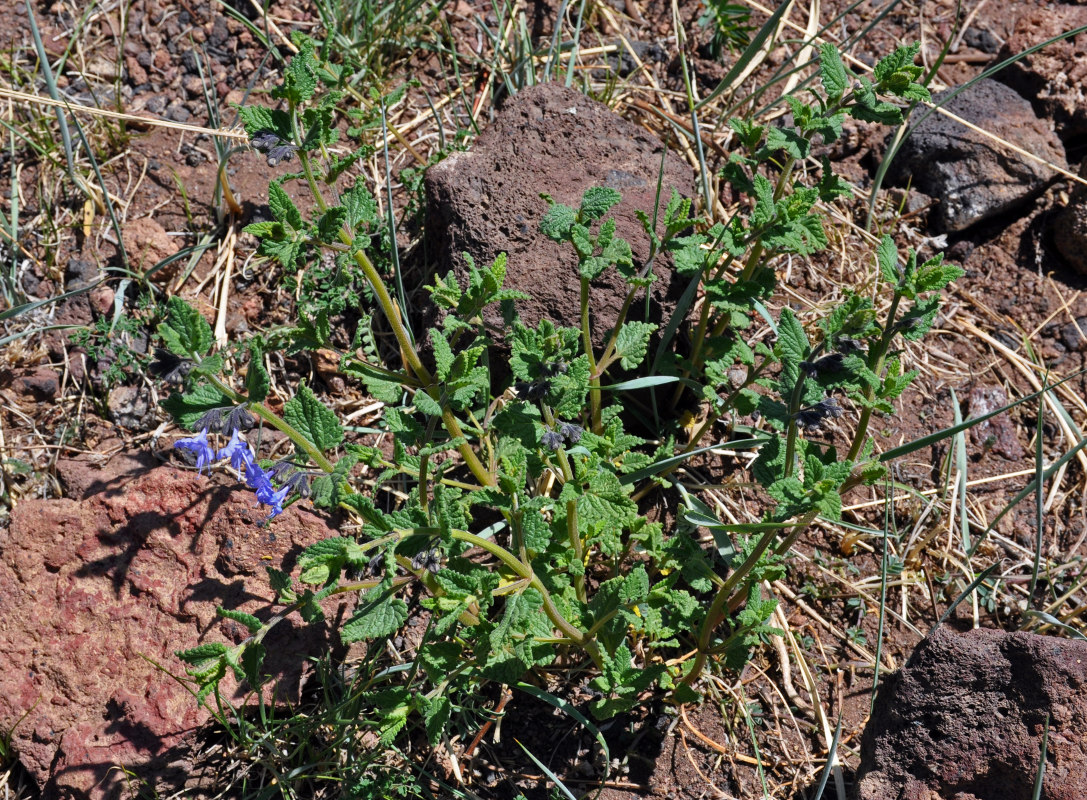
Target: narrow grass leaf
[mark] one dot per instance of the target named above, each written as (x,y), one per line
(829,768)
(1039,497)
(974,584)
(565,707)
(659,466)
(939,436)
(550,775)
(1039,777)
(1049,619)
(960,466)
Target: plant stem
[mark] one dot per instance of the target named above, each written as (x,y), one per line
(880,358)
(587,343)
(571,510)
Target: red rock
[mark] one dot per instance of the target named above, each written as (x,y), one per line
(548,138)
(42,383)
(95,590)
(964,719)
(147,243)
(1053,77)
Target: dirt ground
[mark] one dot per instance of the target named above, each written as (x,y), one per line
(1015,304)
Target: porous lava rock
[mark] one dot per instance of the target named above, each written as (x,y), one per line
(964,719)
(1070,227)
(1054,77)
(100,588)
(973,176)
(551,139)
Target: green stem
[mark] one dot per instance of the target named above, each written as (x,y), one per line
(524,571)
(277,422)
(587,343)
(572,532)
(869,394)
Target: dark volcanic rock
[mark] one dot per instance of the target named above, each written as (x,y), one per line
(98,591)
(964,719)
(1053,77)
(997,433)
(551,139)
(1070,227)
(973,177)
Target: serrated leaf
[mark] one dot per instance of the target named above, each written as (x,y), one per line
(187,408)
(248,620)
(558,222)
(259,118)
(309,416)
(202,653)
(300,76)
(832,71)
(632,343)
(269,229)
(435,716)
(887,258)
(330,225)
(792,141)
(443,354)
(282,585)
(427,404)
(283,208)
(596,202)
(185,331)
(257,381)
(361,205)
(378,615)
(901,59)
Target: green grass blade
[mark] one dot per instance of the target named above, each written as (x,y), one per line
(646,382)
(550,775)
(658,466)
(960,465)
(1049,619)
(30,331)
(888,521)
(567,708)
(829,768)
(757,41)
(51,86)
(974,584)
(25,307)
(1039,498)
(1040,776)
(939,436)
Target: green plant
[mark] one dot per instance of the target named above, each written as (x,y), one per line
(521,520)
(730,25)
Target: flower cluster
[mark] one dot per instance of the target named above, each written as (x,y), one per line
(552,440)
(277,149)
(813,417)
(242,459)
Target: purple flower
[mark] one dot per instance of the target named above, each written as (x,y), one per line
(256,478)
(237,450)
(571,433)
(551,440)
(270,497)
(199,446)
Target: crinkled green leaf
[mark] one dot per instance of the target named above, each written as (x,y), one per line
(632,343)
(309,416)
(283,208)
(185,332)
(187,408)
